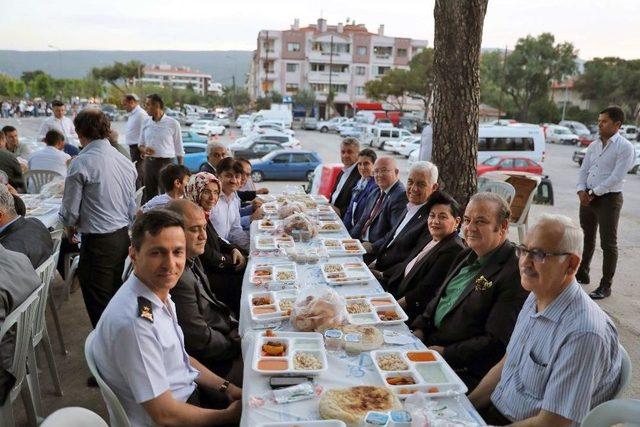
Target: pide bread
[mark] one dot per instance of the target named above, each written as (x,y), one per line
(352,404)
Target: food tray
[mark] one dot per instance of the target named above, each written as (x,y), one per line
(269,243)
(271,300)
(41,210)
(267,224)
(295,343)
(265,273)
(369,310)
(329,226)
(343,247)
(319,198)
(433,375)
(270,209)
(348,273)
(315,423)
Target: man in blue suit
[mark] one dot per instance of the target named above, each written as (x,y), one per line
(384,206)
(365,186)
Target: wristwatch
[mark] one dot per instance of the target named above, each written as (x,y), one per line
(591,193)
(223,388)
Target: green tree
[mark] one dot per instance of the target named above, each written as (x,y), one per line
(421,78)
(119,73)
(263,103)
(28,76)
(307,99)
(391,88)
(42,86)
(11,88)
(276,97)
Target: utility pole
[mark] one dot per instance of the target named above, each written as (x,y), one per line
(233,98)
(566,97)
(266,65)
(504,78)
(330,75)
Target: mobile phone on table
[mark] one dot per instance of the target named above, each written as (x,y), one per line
(277,382)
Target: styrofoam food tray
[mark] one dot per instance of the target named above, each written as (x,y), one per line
(276,298)
(338,247)
(329,226)
(347,273)
(433,377)
(377,304)
(270,243)
(266,273)
(295,342)
(263,225)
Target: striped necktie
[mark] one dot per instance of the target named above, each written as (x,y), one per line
(377,207)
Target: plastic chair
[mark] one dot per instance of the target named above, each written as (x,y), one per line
(503,189)
(35,179)
(40,334)
(139,194)
(128,269)
(56,236)
(20,320)
(117,415)
(613,412)
(74,417)
(625,372)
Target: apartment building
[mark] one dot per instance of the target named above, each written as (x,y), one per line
(165,75)
(321,56)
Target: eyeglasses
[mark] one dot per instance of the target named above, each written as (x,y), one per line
(536,254)
(381,172)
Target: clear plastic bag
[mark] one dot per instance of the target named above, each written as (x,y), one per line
(299,225)
(54,188)
(289,208)
(318,308)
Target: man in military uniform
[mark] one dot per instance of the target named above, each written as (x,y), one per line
(139,346)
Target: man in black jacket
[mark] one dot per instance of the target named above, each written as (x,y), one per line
(210,330)
(348,176)
(25,235)
(472,316)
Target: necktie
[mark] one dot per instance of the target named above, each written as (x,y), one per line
(377,207)
(418,257)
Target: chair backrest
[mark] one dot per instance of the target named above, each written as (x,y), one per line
(139,194)
(45,272)
(117,415)
(22,319)
(56,237)
(625,372)
(613,412)
(35,179)
(504,189)
(74,417)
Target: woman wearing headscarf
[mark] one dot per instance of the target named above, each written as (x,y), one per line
(223,262)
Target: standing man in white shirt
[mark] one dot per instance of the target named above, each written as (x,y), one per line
(52,157)
(160,143)
(136,119)
(62,124)
(606,163)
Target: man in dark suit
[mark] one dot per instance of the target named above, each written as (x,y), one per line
(216,151)
(348,176)
(210,329)
(25,235)
(384,207)
(10,165)
(472,316)
(412,229)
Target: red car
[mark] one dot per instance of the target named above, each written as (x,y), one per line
(520,164)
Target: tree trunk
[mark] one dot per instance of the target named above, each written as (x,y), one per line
(456,102)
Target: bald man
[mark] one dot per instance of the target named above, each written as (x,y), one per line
(384,207)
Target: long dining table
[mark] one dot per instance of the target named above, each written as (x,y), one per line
(259,407)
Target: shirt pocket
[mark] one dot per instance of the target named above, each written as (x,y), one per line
(533,376)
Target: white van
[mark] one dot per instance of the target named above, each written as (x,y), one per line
(278,115)
(380,135)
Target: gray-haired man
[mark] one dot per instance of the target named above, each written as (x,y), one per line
(215,153)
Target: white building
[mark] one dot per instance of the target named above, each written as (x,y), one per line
(317,57)
(165,75)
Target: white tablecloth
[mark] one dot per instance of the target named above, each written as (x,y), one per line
(344,371)
(49,208)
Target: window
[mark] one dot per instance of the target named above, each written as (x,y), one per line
(506,163)
(362,50)
(360,70)
(325,47)
(359,90)
(382,70)
(382,51)
(292,67)
(276,138)
(402,53)
(192,150)
(282,158)
(268,45)
(506,144)
(317,67)
(291,88)
(293,47)
(299,158)
(521,163)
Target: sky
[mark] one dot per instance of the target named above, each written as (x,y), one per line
(595,27)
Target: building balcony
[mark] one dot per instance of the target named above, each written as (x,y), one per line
(267,75)
(323,77)
(319,56)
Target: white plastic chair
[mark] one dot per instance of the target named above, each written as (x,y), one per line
(625,373)
(613,412)
(74,417)
(503,189)
(20,320)
(35,179)
(117,415)
(139,194)
(56,236)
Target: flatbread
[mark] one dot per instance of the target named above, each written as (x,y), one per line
(372,338)
(352,404)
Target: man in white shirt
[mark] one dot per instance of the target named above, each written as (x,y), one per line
(160,143)
(225,216)
(605,165)
(136,119)
(52,157)
(62,124)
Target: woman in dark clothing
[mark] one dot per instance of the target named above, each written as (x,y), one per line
(223,263)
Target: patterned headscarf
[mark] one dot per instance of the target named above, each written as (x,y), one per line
(196,185)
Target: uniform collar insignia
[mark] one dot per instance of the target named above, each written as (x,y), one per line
(145,309)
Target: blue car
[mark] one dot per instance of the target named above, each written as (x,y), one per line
(290,165)
(195,155)
(190,136)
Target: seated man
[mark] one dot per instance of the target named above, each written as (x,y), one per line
(471,317)
(173,180)
(216,151)
(13,143)
(210,330)
(412,229)
(17,281)
(563,358)
(384,207)
(360,192)
(248,191)
(138,343)
(10,165)
(250,207)
(25,235)
(52,157)
(348,176)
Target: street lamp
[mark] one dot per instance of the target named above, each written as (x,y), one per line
(59,60)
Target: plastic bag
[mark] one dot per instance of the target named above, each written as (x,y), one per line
(317,309)
(289,208)
(299,222)
(54,188)
(433,413)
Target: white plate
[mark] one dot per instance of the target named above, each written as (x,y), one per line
(340,249)
(336,226)
(273,273)
(377,303)
(348,273)
(296,342)
(444,379)
(275,298)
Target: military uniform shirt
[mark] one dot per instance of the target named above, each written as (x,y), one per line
(142,356)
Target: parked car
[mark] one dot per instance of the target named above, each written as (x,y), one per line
(578,157)
(207,127)
(241,120)
(294,165)
(381,135)
(110,111)
(576,127)
(310,123)
(561,135)
(332,124)
(413,156)
(264,125)
(407,145)
(191,118)
(191,136)
(498,163)
(179,116)
(223,119)
(287,141)
(195,155)
(630,132)
(356,131)
(256,149)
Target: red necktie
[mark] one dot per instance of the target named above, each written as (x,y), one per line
(377,207)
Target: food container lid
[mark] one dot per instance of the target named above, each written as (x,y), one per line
(353,337)
(374,418)
(333,333)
